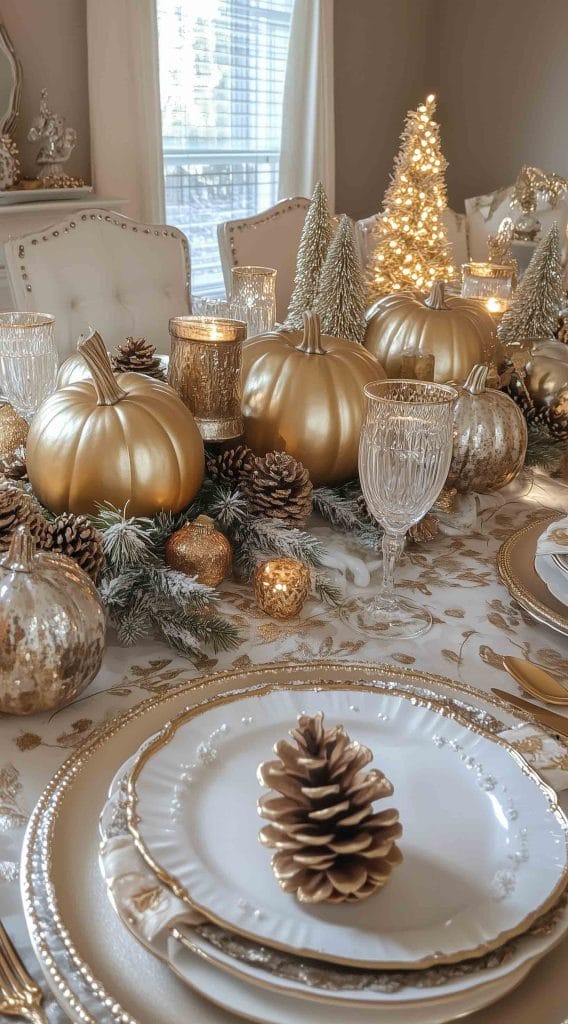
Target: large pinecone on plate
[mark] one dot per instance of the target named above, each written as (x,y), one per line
(331,846)
(230,466)
(279,487)
(13,465)
(77,538)
(136,355)
(18,509)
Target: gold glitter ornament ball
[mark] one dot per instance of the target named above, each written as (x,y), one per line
(13,430)
(52,629)
(281,586)
(199,550)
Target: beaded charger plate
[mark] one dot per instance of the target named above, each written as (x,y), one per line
(515,562)
(97,971)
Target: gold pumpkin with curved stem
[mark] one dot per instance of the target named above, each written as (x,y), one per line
(132,444)
(458,332)
(303,394)
(72,370)
(490,437)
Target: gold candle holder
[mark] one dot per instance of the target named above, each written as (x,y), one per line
(491,283)
(205,370)
(281,586)
(415,365)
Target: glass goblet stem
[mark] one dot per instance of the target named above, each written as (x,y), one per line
(393,543)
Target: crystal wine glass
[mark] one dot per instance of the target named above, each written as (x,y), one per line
(405,451)
(28,360)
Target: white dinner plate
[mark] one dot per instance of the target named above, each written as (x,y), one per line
(484,843)
(554,575)
(96,969)
(153,916)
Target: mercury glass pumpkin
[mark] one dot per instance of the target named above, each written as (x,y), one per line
(490,437)
(52,629)
(303,394)
(458,332)
(132,443)
(546,384)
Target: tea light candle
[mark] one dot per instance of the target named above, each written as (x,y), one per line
(491,283)
(415,365)
(281,586)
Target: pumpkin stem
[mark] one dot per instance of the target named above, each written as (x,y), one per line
(311,342)
(436,299)
(477,379)
(21,551)
(93,350)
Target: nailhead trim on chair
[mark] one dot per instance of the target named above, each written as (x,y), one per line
(253,221)
(121,223)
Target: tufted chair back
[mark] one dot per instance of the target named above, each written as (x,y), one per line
(269,239)
(99,269)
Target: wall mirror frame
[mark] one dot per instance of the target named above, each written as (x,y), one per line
(10,84)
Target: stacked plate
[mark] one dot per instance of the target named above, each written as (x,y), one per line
(533,563)
(476,901)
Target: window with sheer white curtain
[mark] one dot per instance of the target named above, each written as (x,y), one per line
(222,68)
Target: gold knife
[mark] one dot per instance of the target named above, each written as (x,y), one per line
(558,723)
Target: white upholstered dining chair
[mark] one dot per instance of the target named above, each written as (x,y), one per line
(100,269)
(269,239)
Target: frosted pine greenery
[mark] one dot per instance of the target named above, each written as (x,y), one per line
(314,243)
(412,249)
(534,310)
(340,300)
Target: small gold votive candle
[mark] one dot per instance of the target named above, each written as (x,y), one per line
(416,365)
(205,370)
(281,586)
(491,283)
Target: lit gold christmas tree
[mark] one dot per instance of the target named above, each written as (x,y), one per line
(412,249)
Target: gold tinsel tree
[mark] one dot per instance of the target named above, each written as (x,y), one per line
(314,243)
(412,249)
(534,310)
(340,301)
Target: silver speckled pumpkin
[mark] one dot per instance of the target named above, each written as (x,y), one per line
(490,439)
(52,629)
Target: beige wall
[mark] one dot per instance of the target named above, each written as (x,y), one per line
(503,81)
(50,39)
(382,58)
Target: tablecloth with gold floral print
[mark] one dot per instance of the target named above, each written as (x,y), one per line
(476,622)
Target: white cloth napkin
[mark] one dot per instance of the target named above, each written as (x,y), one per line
(553,541)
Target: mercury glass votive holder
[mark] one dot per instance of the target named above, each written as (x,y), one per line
(491,283)
(253,298)
(28,360)
(205,370)
(281,586)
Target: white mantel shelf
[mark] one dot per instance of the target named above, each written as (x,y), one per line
(23,218)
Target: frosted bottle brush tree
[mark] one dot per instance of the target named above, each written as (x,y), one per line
(340,301)
(534,310)
(412,249)
(314,243)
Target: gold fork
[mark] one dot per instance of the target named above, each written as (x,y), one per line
(19,994)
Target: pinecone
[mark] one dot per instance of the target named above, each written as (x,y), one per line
(136,355)
(562,329)
(17,509)
(230,466)
(77,538)
(426,529)
(331,846)
(279,487)
(13,465)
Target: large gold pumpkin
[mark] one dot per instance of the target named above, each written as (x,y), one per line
(303,394)
(128,441)
(490,437)
(458,332)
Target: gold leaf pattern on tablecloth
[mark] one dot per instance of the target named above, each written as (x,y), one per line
(13,813)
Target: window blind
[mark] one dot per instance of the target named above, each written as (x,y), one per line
(222,67)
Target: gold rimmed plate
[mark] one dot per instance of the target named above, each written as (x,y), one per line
(515,562)
(468,881)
